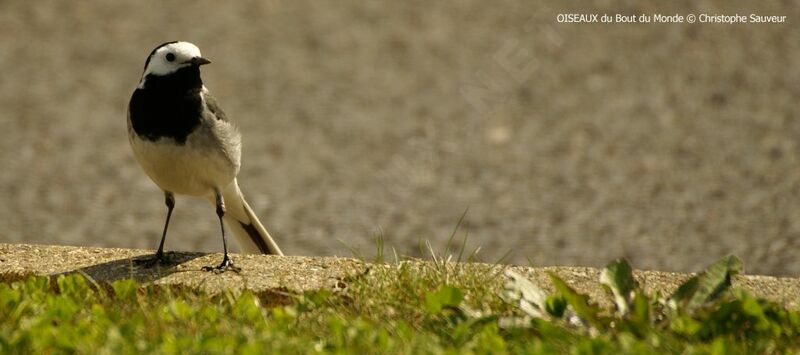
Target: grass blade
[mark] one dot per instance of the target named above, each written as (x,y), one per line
(617,278)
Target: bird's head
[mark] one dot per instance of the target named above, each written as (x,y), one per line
(171,57)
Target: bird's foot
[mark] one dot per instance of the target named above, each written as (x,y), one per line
(160,258)
(226,265)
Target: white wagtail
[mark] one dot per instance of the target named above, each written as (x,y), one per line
(187,145)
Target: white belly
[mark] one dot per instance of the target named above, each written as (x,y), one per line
(189,169)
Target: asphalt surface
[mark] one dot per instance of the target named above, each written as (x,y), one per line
(566,143)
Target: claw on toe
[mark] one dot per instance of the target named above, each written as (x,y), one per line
(226,265)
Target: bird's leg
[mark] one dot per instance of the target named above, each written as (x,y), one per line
(227,262)
(169,200)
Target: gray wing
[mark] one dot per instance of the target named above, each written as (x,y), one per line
(222,131)
(213,107)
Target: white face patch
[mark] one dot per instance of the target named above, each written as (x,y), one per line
(170,58)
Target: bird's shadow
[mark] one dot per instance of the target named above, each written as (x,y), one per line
(136,268)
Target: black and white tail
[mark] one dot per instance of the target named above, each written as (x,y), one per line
(251,235)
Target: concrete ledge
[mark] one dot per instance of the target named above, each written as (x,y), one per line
(259,272)
(298,273)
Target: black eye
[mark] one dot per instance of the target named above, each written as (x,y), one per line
(170,57)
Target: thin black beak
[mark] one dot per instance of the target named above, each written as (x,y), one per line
(198,61)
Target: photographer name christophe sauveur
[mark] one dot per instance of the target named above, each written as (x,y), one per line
(676,18)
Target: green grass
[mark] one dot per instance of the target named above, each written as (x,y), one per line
(403,307)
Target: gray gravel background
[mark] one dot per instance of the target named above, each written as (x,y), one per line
(570,144)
